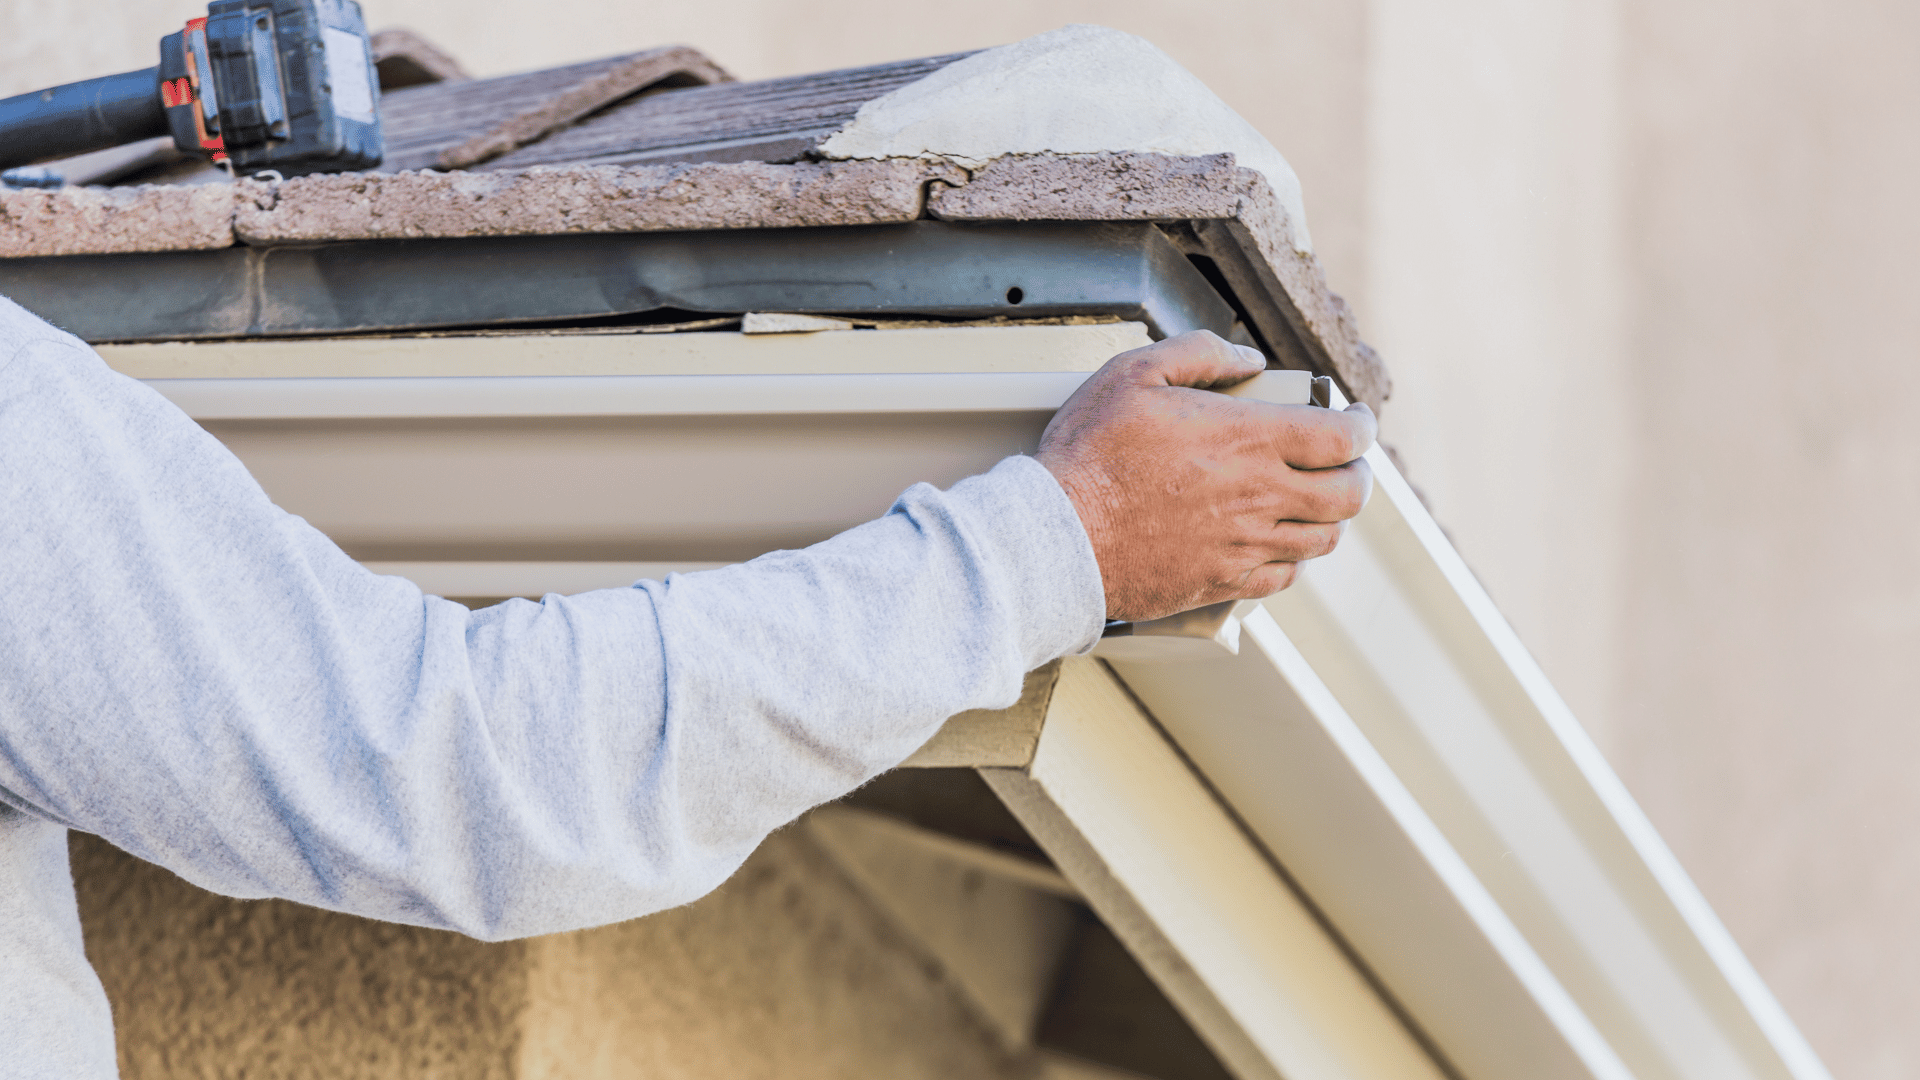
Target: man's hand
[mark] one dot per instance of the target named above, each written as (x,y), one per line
(1192,497)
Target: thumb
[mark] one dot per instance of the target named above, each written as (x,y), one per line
(1198,358)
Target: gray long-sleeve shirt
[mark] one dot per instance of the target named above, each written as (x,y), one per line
(209,683)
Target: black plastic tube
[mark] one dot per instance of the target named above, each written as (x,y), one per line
(82,116)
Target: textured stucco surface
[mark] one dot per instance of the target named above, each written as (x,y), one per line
(94,220)
(1766,705)
(205,986)
(1645,270)
(787,972)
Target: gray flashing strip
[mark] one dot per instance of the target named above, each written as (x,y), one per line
(930,268)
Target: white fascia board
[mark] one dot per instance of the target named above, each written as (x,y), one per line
(1030,368)
(698,446)
(1386,737)
(1143,838)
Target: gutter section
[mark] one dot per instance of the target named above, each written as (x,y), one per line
(1395,749)
(1382,743)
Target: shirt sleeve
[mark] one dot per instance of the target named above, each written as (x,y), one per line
(209,683)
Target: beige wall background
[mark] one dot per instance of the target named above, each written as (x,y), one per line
(1642,271)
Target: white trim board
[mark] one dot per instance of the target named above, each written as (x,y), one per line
(1175,878)
(696,455)
(954,370)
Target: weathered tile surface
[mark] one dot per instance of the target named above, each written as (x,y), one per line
(99,220)
(585,198)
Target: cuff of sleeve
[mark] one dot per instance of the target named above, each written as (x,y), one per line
(1026,525)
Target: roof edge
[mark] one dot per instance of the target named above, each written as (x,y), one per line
(558,199)
(1207,188)
(1238,219)
(113,220)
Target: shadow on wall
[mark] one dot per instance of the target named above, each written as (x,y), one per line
(870,939)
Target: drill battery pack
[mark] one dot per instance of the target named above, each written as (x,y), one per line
(281,85)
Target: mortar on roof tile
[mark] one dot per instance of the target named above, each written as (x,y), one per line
(1077,90)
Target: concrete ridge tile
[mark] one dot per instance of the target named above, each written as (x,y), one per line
(1129,186)
(547,199)
(106,220)
(1301,277)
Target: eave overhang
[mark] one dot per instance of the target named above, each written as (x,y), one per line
(1178,242)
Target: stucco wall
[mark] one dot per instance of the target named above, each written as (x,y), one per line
(1765,704)
(210,987)
(787,972)
(1641,272)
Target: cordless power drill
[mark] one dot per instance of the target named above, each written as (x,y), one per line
(281,85)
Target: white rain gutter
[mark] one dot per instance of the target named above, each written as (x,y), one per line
(1391,743)
(1381,735)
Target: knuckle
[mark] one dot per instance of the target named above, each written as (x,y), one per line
(1321,497)
(1318,442)
(1279,576)
(1329,495)
(1319,540)
(1335,498)
(1187,344)
(1353,493)
(1342,441)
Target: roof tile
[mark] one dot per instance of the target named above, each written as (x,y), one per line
(99,220)
(587,198)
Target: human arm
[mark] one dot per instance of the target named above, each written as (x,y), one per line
(210,684)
